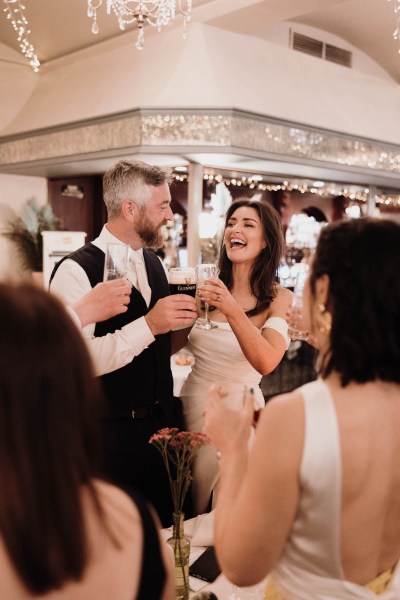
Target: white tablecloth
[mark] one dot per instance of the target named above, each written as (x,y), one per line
(179,373)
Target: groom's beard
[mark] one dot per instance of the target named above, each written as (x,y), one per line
(150,234)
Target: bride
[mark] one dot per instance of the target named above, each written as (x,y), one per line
(248,306)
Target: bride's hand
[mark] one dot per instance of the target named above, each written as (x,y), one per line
(215,293)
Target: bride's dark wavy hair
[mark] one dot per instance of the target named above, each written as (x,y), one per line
(263,274)
(362,259)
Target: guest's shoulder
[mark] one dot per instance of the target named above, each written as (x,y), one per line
(289,406)
(287,399)
(116,500)
(282,422)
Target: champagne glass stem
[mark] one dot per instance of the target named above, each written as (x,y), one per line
(206,307)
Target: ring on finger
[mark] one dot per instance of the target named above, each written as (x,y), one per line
(218,297)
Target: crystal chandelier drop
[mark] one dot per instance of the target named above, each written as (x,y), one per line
(142,12)
(396,32)
(14,12)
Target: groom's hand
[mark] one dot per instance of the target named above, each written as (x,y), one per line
(178,310)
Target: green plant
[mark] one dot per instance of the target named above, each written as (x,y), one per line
(26,233)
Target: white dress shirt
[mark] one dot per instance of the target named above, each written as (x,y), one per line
(137,274)
(114,350)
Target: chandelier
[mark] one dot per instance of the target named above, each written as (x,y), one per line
(142,12)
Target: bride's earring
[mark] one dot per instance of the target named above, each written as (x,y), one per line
(324,319)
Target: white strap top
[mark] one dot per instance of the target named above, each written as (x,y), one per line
(311,565)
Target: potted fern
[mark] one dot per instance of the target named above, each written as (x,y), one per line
(26,233)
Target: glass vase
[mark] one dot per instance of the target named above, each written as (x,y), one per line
(181,548)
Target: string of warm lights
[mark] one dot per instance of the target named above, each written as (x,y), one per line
(255,182)
(388,200)
(15,14)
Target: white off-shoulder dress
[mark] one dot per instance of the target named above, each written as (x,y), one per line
(218,359)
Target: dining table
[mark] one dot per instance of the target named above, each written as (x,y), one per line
(199,532)
(222,588)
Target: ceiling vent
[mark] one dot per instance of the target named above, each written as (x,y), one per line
(304,43)
(338,55)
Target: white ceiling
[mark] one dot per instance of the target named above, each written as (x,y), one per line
(60,27)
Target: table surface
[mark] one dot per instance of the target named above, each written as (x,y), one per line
(179,374)
(222,587)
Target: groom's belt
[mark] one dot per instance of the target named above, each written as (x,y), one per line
(139,412)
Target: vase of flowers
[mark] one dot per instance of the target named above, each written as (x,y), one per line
(178,449)
(180,545)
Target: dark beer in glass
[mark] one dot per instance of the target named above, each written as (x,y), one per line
(182,280)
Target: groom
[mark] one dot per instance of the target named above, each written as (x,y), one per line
(131,351)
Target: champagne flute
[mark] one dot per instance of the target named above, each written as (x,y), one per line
(116,261)
(204,272)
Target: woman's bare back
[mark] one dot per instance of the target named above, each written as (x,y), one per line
(369,424)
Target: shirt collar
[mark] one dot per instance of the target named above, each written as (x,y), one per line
(106,237)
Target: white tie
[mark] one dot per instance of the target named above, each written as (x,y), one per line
(141,282)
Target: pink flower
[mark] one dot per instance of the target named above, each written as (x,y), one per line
(178,450)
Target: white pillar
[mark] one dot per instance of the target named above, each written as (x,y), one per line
(371,202)
(195,206)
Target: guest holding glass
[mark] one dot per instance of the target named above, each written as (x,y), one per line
(315,501)
(64,533)
(249,333)
(131,351)
(107,299)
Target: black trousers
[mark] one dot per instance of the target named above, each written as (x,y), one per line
(133,464)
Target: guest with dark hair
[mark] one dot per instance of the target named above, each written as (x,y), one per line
(339,205)
(63,533)
(322,476)
(316,213)
(249,309)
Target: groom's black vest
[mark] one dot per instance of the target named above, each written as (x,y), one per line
(147,378)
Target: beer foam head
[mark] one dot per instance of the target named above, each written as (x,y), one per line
(182,275)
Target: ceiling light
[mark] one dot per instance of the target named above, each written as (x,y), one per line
(156,13)
(15,14)
(318,184)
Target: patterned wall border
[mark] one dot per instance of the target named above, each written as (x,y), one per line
(192,130)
